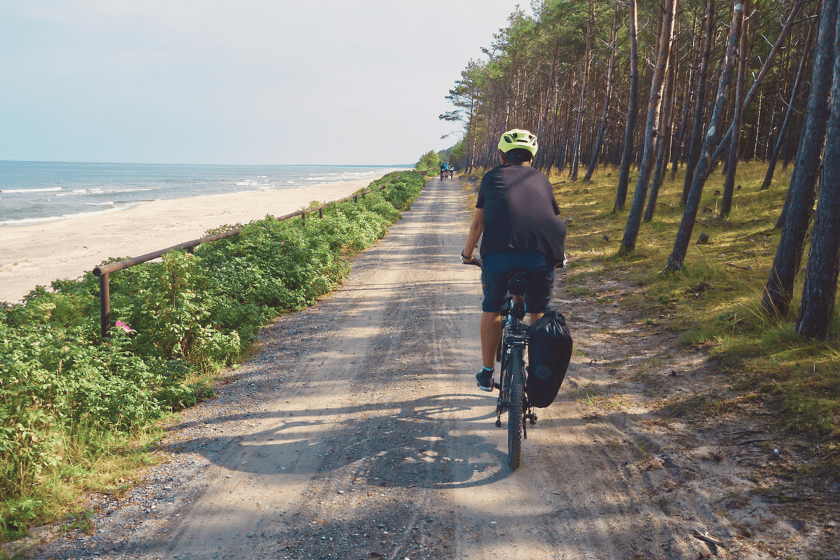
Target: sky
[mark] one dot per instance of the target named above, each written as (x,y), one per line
(328,82)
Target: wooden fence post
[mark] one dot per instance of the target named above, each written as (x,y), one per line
(104,304)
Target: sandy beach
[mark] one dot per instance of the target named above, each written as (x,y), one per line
(35,255)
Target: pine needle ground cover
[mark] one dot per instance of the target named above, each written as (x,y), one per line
(714,302)
(78,412)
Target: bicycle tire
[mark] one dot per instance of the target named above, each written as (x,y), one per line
(515,408)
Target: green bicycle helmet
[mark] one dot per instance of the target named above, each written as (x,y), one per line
(518,139)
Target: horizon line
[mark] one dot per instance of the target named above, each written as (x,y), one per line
(411,165)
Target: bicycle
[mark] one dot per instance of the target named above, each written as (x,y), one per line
(514,375)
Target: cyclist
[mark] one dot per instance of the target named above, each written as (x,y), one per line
(517,214)
(442,170)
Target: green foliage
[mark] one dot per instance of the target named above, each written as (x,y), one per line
(429,160)
(458,155)
(66,395)
(714,302)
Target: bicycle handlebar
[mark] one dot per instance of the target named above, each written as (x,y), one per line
(473,260)
(477,262)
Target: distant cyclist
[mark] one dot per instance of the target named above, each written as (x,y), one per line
(517,214)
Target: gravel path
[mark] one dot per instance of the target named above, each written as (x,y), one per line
(356,432)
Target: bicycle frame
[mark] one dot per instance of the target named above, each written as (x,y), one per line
(514,343)
(514,338)
(511,355)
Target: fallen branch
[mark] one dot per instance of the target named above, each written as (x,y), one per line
(739,266)
(706,537)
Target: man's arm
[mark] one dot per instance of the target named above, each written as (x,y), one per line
(476,229)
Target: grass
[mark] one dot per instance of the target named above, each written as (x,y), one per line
(715,301)
(93,464)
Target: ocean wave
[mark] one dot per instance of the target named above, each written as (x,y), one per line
(27,191)
(53,191)
(138,189)
(30,221)
(97,191)
(77,192)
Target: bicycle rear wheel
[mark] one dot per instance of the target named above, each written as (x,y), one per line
(515,407)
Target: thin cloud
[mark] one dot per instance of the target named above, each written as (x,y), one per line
(234,82)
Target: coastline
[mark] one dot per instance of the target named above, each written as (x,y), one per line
(35,255)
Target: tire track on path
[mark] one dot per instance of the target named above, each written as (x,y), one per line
(356,432)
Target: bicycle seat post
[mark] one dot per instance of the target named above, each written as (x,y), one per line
(517,285)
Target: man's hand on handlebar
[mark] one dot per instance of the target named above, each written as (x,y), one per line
(470,260)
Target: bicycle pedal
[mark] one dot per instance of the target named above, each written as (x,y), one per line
(496,385)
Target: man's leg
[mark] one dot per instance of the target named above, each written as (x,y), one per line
(494,287)
(491,333)
(539,292)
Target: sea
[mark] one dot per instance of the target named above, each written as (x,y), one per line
(32,191)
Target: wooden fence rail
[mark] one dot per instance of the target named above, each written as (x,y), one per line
(104,270)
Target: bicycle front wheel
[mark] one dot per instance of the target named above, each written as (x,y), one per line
(516,403)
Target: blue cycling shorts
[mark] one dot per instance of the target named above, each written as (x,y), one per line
(494,270)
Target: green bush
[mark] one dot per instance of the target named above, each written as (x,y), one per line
(176,320)
(429,160)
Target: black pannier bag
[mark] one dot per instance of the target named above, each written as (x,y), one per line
(549,352)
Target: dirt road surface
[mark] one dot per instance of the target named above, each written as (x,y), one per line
(357,432)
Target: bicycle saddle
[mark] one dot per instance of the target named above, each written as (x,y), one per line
(518,283)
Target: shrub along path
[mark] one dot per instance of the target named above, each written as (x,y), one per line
(356,431)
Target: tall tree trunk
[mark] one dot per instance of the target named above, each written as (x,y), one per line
(771,126)
(817,308)
(632,109)
(700,102)
(664,139)
(757,120)
(553,156)
(687,96)
(724,143)
(549,90)
(732,164)
(565,143)
(771,168)
(666,37)
(778,291)
(473,146)
(472,130)
(593,161)
(704,163)
(587,62)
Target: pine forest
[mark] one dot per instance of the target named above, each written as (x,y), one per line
(650,88)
